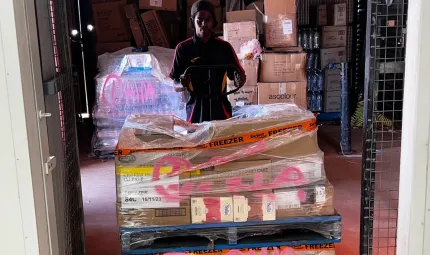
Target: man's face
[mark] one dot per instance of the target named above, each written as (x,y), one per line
(203,24)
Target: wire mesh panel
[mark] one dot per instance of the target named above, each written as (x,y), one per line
(385,52)
(58,89)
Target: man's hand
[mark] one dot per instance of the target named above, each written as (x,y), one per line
(239,79)
(185,80)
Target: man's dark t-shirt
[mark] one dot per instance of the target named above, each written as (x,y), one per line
(214,52)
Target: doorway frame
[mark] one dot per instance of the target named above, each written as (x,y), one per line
(25,224)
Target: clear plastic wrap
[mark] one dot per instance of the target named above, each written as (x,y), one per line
(260,173)
(132,83)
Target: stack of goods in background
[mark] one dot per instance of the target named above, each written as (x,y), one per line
(260,174)
(119,25)
(277,75)
(131,83)
(331,20)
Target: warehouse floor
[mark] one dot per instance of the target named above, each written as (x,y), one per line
(98,182)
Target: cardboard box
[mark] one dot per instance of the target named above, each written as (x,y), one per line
(312,169)
(332,101)
(281,30)
(247,95)
(332,56)
(333,37)
(161,5)
(256,206)
(280,67)
(110,22)
(322,15)
(139,218)
(211,209)
(240,16)
(251,70)
(291,92)
(218,175)
(155,30)
(258,7)
(102,48)
(337,15)
(131,13)
(219,16)
(332,80)
(215,3)
(240,32)
(279,7)
(318,201)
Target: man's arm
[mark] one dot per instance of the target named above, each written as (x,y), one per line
(178,68)
(239,78)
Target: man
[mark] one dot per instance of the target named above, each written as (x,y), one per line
(204,48)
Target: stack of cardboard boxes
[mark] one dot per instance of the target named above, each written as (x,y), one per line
(148,23)
(333,21)
(281,73)
(261,168)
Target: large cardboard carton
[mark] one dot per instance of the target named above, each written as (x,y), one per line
(291,92)
(279,7)
(247,95)
(138,218)
(318,202)
(162,5)
(251,70)
(219,16)
(239,32)
(258,7)
(110,22)
(239,16)
(333,37)
(155,30)
(135,26)
(280,67)
(109,47)
(332,80)
(221,173)
(332,101)
(281,30)
(337,15)
(332,56)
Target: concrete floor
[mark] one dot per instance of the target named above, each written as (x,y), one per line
(98,181)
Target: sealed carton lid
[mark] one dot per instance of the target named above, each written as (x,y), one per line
(238,16)
(279,7)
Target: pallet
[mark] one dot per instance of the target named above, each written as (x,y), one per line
(234,235)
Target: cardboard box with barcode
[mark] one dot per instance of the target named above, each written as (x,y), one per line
(310,200)
(334,36)
(161,5)
(332,79)
(332,101)
(240,32)
(280,23)
(337,15)
(282,67)
(332,56)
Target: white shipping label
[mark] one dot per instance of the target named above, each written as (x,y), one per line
(156,3)
(139,192)
(287,26)
(320,196)
(287,200)
(312,171)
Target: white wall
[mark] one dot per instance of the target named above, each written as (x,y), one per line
(414,201)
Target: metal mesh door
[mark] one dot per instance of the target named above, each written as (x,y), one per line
(385,53)
(58,89)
